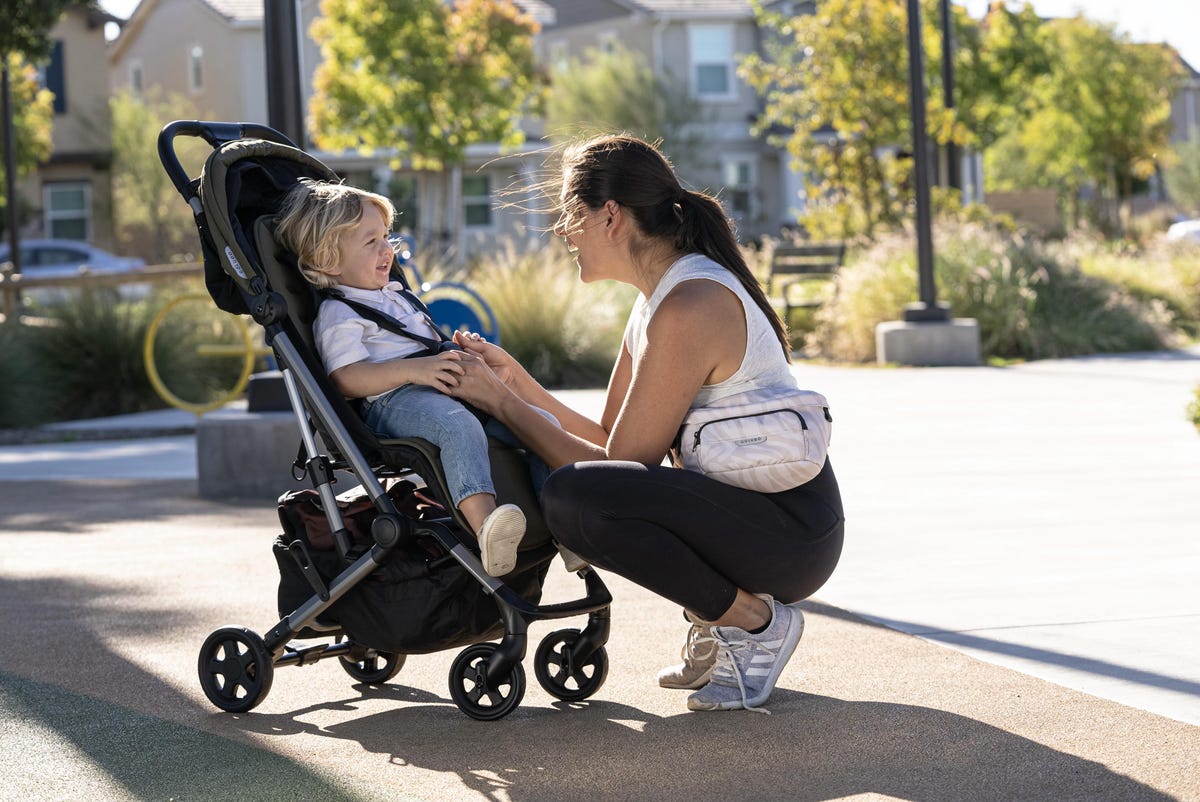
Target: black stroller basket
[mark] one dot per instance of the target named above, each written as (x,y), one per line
(389,573)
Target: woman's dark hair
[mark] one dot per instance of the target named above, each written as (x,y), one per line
(638,177)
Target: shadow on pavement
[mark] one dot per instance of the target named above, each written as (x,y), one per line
(811,748)
(48,728)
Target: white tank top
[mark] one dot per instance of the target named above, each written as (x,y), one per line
(763,364)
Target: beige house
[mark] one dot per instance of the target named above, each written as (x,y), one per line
(70,196)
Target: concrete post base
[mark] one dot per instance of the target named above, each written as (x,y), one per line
(942,343)
(246,455)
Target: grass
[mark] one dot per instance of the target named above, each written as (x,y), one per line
(1030,301)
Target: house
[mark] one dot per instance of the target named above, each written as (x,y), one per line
(70,196)
(1185,107)
(699,43)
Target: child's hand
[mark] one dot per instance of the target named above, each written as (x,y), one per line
(440,372)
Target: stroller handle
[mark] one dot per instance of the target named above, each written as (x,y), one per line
(215,134)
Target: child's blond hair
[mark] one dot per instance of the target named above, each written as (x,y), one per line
(312,219)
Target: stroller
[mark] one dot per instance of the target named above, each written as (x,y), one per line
(387,574)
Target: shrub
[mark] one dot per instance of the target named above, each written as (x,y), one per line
(1028,304)
(1166,272)
(24,395)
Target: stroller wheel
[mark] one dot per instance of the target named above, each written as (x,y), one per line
(558,673)
(235,669)
(471,691)
(372,667)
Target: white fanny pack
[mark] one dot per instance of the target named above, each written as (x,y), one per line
(768,440)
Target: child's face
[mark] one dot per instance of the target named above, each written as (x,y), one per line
(365,255)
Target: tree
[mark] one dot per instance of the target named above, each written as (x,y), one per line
(619,92)
(147,205)
(1101,115)
(835,85)
(33,114)
(422,79)
(26,114)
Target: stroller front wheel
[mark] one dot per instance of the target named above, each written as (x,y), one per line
(235,668)
(474,694)
(559,674)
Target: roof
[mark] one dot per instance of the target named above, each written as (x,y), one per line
(247,10)
(692,8)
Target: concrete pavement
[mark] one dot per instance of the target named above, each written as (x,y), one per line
(1039,520)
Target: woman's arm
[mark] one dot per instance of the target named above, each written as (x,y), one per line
(697,336)
(514,375)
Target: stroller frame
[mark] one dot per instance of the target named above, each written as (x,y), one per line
(236,665)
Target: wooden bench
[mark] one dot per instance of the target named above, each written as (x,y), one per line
(794,270)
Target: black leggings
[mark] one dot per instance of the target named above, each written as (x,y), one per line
(695,540)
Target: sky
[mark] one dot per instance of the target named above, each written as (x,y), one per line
(1174,21)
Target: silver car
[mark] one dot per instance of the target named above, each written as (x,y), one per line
(60,258)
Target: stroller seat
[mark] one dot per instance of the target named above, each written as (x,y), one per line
(413,582)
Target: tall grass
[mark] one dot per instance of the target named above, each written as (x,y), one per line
(564,332)
(1029,304)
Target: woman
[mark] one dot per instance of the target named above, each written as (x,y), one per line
(702,330)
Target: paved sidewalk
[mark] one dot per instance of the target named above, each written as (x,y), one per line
(1038,520)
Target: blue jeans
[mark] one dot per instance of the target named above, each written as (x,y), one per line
(415,410)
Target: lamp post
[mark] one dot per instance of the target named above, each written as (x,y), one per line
(281,35)
(953,168)
(927,309)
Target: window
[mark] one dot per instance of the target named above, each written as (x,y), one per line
(608,42)
(712,60)
(558,55)
(68,210)
(135,80)
(54,77)
(196,68)
(739,179)
(477,201)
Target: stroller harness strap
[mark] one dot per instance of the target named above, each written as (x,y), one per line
(386,321)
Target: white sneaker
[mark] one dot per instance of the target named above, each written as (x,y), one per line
(699,655)
(748,666)
(499,537)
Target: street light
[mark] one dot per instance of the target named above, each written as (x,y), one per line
(927,309)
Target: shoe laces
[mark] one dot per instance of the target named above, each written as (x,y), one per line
(699,645)
(727,667)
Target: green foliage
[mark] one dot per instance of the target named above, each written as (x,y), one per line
(1160,272)
(1029,305)
(619,92)
(91,355)
(422,79)
(148,208)
(27,24)
(564,332)
(1193,410)
(21,377)
(841,69)
(1101,114)
(33,112)
(1183,178)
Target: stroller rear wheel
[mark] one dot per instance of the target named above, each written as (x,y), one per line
(474,695)
(235,669)
(559,674)
(370,666)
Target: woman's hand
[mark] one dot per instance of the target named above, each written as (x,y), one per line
(478,384)
(496,358)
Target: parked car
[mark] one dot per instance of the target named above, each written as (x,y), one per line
(1185,229)
(57,258)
